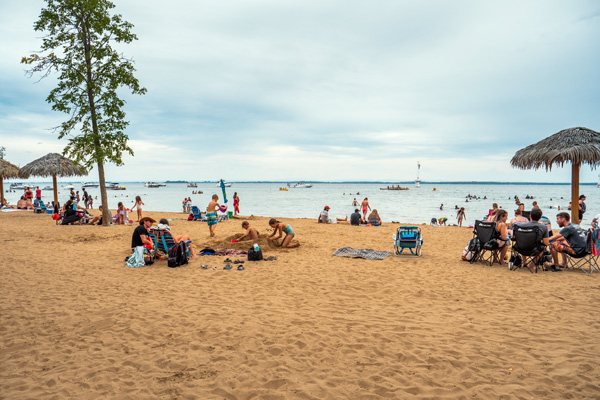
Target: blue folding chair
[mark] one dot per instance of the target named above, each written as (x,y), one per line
(197,214)
(408,237)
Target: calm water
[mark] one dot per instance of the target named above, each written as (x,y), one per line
(417,205)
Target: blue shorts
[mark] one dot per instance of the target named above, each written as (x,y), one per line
(211,218)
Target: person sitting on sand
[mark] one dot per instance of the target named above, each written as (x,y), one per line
(355,218)
(163,225)
(6,205)
(97,220)
(324,217)
(281,228)
(251,233)
(140,235)
(374,218)
(121,218)
(71,216)
(211,214)
(22,204)
(501,233)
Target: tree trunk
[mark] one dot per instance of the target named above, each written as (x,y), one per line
(104,197)
(575,194)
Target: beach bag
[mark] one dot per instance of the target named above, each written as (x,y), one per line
(254,255)
(177,255)
(467,255)
(492,245)
(191,217)
(136,260)
(474,245)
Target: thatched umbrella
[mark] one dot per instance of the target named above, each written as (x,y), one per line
(7,171)
(53,165)
(575,145)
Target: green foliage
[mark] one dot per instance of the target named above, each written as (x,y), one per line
(2,152)
(79,34)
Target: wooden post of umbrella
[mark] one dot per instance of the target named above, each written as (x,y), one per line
(55,185)
(1,191)
(575,193)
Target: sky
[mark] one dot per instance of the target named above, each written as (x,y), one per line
(329,90)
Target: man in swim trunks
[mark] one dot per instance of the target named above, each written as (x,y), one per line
(211,214)
(251,233)
(365,205)
(570,240)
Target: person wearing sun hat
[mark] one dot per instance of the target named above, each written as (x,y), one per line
(140,235)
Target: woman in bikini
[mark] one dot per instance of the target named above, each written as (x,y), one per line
(365,205)
(138,205)
(236,204)
(282,228)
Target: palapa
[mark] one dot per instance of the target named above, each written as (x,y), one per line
(7,171)
(574,145)
(52,164)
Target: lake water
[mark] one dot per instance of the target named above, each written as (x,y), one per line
(417,205)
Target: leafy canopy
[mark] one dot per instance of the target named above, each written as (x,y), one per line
(79,34)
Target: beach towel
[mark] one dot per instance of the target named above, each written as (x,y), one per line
(137,258)
(361,253)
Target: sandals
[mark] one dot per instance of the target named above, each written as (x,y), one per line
(238,262)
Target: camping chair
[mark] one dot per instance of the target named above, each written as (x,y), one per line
(408,237)
(163,242)
(526,248)
(589,258)
(485,232)
(197,214)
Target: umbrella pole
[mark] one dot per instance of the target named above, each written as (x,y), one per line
(1,191)
(575,194)
(55,189)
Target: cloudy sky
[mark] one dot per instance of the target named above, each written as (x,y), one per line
(330,90)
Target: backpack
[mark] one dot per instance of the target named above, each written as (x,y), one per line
(474,245)
(177,255)
(254,255)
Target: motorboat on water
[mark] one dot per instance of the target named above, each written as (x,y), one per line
(300,185)
(394,188)
(154,184)
(17,186)
(48,188)
(114,186)
(224,183)
(192,185)
(90,184)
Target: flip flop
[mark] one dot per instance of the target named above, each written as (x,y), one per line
(271,258)
(228,267)
(204,266)
(227,260)
(240,268)
(238,262)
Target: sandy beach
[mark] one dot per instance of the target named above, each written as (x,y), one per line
(77,323)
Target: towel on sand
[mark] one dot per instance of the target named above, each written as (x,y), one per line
(361,253)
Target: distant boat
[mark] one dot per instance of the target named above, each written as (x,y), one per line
(17,186)
(48,188)
(114,186)
(283,189)
(418,180)
(394,188)
(300,185)
(90,184)
(154,184)
(224,183)
(192,185)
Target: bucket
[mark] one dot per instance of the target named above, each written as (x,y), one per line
(230,214)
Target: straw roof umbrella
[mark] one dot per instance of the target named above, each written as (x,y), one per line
(52,164)
(7,171)
(574,145)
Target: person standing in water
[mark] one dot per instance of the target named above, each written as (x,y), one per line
(365,205)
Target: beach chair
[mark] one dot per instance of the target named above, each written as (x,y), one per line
(163,242)
(485,232)
(197,215)
(408,238)
(527,249)
(589,258)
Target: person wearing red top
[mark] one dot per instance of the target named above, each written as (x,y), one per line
(38,193)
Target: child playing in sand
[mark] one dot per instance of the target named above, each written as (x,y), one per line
(251,233)
(460,215)
(211,214)
(282,227)
(138,204)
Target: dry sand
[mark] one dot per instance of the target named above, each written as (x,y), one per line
(77,323)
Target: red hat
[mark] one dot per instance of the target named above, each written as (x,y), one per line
(327,207)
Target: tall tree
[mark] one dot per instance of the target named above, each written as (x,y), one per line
(79,35)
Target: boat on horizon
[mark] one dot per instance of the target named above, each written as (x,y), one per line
(90,184)
(17,186)
(154,184)
(300,185)
(114,186)
(192,185)
(398,187)
(224,183)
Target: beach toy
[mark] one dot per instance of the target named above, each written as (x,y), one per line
(55,217)
(130,221)
(223,208)
(233,241)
